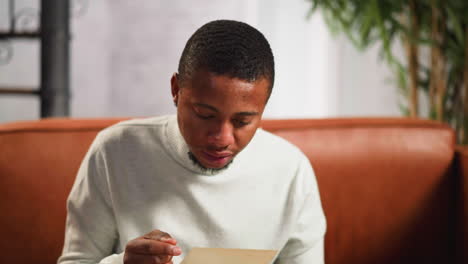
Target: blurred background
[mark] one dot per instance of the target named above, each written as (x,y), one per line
(121,55)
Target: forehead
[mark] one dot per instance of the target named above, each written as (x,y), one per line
(211,85)
(227,95)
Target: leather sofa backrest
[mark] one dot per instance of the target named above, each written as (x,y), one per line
(386,186)
(38,164)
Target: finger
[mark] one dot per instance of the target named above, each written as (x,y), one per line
(143,259)
(165,258)
(161,236)
(152,247)
(169,240)
(157,234)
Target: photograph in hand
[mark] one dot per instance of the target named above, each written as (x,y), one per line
(229,256)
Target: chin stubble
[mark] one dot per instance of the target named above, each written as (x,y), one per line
(203,168)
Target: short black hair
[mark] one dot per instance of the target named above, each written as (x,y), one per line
(228,47)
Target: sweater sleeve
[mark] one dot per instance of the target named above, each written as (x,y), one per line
(306,243)
(90,234)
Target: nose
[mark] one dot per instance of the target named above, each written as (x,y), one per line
(222,135)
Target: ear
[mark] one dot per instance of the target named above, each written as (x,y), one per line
(175,88)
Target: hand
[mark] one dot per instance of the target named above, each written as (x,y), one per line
(156,247)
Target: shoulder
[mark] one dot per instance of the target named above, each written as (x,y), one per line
(276,147)
(135,125)
(133,131)
(285,159)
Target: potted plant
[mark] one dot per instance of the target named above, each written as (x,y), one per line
(434,34)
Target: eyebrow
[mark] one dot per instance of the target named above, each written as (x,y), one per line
(207,106)
(245,113)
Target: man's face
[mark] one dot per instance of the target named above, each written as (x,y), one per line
(218,115)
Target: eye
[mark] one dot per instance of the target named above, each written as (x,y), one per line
(204,117)
(240,123)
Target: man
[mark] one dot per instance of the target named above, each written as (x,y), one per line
(207,176)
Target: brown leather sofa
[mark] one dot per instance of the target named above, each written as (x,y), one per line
(393,190)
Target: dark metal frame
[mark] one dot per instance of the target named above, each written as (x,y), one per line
(54,35)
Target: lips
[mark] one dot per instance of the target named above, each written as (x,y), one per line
(218,155)
(216,159)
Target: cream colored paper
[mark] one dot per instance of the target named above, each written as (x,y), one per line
(229,256)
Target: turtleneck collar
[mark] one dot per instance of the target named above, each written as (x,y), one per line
(178,148)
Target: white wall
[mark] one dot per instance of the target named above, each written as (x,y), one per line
(124,52)
(365,86)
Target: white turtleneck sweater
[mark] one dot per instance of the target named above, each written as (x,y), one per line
(137,177)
